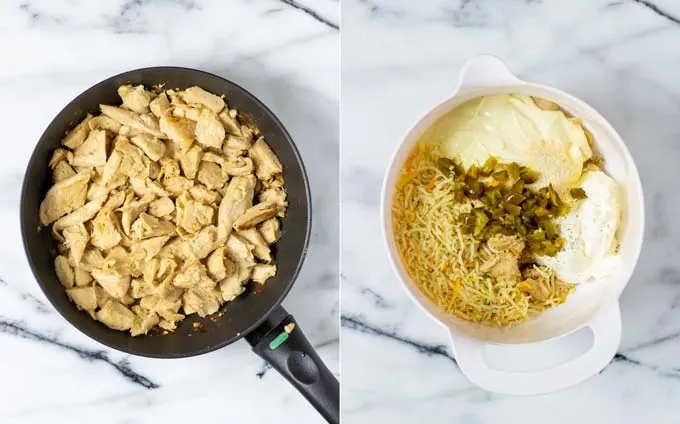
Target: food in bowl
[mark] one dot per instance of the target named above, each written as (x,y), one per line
(501,208)
(164,206)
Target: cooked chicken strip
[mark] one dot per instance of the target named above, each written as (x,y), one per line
(209,130)
(150,271)
(92,258)
(204,242)
(197,95)
(237,199)
(258,213)
(105,233)
(111,167)
(161,207)
(104,123)
(82,277)
(149,226)
(235,146)
(62,171)
(179,130)
(115,284)
(190,275)
(169,168)
(177,185)
(82,214)
(144,321)
(77,135)
(130,119)
(163,306)
(506,269)
(186,111)
(239,166)
(132,163)
(232,286)
(135,98)
(274,195)
(131,210)
(262,273)
(219,266)
(151,146)
(193,215)
(115,200)
(211,175)
(230,123)
(270,230)
(240,251)
(249,132)
(160,106)
(190,161)
(76,238)
(64,271)
(266,162)
(202,300)
(92,152)
(202,194)
(64,197)
(260,246)
(116,316)
(60,155)
(151,246)
(85,298)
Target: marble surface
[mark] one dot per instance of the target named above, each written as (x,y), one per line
(283,51)
(398,61)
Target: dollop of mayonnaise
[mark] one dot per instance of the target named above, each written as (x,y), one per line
(589,231)
(513,129)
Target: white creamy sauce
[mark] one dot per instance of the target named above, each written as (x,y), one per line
(589,231)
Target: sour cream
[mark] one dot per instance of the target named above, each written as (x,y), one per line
(589,230)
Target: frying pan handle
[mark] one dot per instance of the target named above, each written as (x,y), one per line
(606,328)
(281,342)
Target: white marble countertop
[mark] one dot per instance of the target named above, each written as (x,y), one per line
(399,61)
(283,51)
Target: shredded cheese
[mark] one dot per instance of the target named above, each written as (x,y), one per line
(445,263)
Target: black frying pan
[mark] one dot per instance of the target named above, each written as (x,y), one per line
(259,317)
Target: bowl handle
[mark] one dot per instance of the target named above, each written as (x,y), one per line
(606,328)
(485,71)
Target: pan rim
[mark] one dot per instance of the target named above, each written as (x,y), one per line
(289,284)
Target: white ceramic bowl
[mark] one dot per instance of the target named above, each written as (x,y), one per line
(594,305)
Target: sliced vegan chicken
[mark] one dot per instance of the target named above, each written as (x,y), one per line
(64,197)
(116,316)
(197,95)
(237,199)
(263,272)
(135,98)
(151,146)
(209,130)
(266,162)
(260,246)
(77,135)
(131,119)
(256,214)
(270,230)
(76,238)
